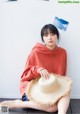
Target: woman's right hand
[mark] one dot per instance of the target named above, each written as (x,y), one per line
(44,73)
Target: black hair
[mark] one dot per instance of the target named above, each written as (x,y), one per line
(49,28)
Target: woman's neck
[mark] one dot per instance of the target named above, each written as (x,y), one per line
(51,47)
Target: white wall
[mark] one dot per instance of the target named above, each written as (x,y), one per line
(20,25)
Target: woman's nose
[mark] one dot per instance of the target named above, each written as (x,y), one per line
(50,36)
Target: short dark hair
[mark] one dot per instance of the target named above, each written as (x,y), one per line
(47,28)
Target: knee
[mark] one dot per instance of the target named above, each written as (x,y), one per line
(52,109)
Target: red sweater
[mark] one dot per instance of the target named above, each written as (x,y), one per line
(55,61)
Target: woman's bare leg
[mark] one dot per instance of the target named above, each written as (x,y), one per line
(33,105)
(12,103)
(63,104)
(28,104)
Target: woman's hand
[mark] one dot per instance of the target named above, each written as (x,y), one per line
(44,73)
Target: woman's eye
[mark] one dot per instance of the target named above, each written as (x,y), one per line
(46,35)
(52,33)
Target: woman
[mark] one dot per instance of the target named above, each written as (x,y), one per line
(43,59)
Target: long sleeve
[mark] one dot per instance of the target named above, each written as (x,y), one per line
(65,65)
(31,69)
(30,72)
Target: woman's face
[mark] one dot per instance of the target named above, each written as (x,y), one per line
(50,39)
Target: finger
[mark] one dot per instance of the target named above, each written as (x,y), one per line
(42,73)
(46,74)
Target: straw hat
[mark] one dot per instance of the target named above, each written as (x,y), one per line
(48,91)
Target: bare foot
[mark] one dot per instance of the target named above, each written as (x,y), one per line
(12,104)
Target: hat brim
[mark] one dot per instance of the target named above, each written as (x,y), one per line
(36,95)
